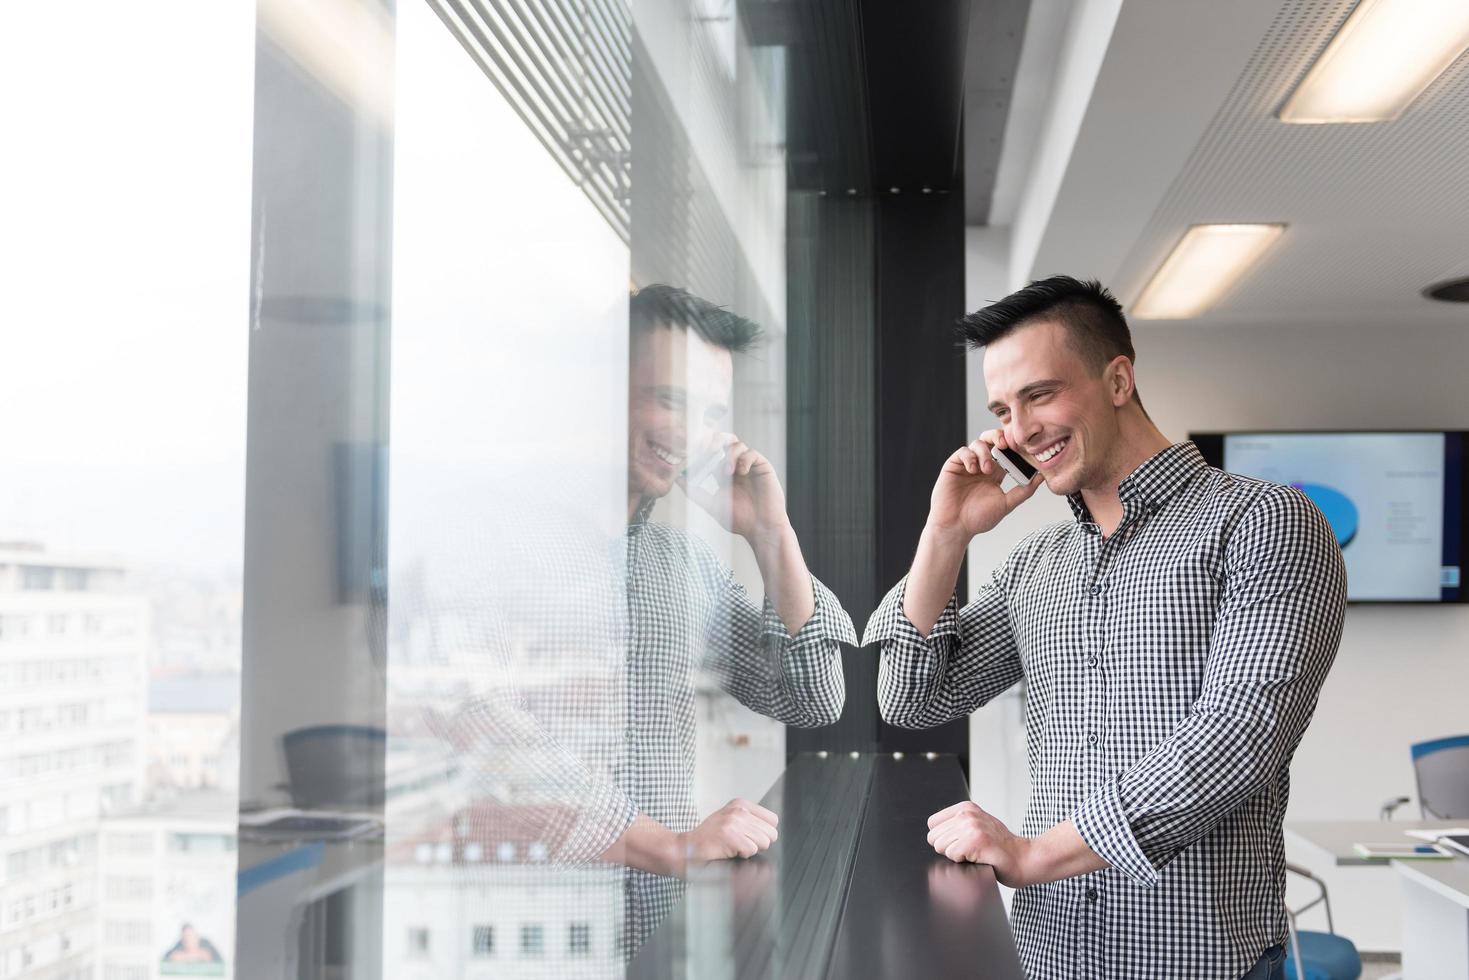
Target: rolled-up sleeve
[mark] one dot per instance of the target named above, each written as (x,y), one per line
(796,679)
(1275,637)
(968,658)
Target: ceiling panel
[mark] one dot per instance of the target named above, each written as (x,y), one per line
(1376,211)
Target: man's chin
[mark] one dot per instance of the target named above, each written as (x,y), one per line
(1061,484)
(652,488)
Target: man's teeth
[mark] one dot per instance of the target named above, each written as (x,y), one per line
(1052,451)
(666,456)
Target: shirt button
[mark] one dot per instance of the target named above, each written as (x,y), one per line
(1091,894)
(1091,739)
(1095,590)
(1092,661)
(629,732)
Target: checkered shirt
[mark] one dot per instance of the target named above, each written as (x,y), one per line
(584,664)
(1171,671)
(685,611)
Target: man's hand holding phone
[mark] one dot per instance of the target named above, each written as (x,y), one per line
(968,498)
(740,489)
(738,486)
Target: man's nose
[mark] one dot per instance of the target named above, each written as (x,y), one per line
(1022,429)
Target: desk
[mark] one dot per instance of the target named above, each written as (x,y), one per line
(1336,837)
(290,894)
(850,889)
(1435,894)
(1435,919)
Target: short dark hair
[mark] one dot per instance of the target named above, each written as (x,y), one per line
(660,305)
(1092,316)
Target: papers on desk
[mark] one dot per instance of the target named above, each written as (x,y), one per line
(281,826)
(1402,851)
(1433,835)
(1452,837)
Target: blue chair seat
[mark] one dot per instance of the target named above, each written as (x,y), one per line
(1327,956)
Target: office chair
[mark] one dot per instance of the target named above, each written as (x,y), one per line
(1441,767)
(1318,955)
(335,766)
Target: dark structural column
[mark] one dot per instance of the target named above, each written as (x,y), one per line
(876,279)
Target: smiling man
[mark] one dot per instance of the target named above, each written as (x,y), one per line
(582,726)
(686,611)
(1173,638)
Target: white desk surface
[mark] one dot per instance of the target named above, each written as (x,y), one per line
(1336,837)
(1449,879)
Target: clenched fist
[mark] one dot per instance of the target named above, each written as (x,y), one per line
(964,832)
(739,829)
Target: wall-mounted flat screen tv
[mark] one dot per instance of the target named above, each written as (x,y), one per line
(1395,500)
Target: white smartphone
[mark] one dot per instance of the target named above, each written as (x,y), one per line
(1013,463)
(700,472)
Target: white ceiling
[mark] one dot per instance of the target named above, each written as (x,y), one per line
(1180,129)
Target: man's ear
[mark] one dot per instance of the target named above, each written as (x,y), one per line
(1120,381)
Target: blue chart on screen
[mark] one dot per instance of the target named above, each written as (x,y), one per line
(1336,507)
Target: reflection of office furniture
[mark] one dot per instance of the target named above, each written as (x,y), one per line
(1314,955)
(1389,806)
(1441,767)
(309,910)
(849,889)
(336,766)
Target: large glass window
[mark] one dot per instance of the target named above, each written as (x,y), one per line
(126,192)
(394,531)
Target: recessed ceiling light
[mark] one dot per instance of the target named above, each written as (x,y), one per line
(1205,263)
(1381,59)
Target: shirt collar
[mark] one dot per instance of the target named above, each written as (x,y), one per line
(1150,486)
(645,509)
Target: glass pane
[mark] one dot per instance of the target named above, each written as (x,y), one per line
(126,195)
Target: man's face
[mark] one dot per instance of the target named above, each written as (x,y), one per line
(1046,396)
(678,399)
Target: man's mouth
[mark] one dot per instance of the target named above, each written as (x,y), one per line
(666,455)
(1051,452)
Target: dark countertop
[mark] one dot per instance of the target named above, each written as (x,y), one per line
(851,888)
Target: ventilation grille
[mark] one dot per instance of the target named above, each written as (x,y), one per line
(1377,210)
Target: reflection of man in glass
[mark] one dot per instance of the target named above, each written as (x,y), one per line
(191,948)
(582,733)
(685,608)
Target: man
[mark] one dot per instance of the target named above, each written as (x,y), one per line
(1173,639)
(783,662)
(616,780)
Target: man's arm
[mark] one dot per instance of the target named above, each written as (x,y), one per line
(783,660)
(939,663)
(968,658)
(739,829)
(934,575)
(964,832)
(1275,637)
(783,570)
(794,678)
(967,500)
